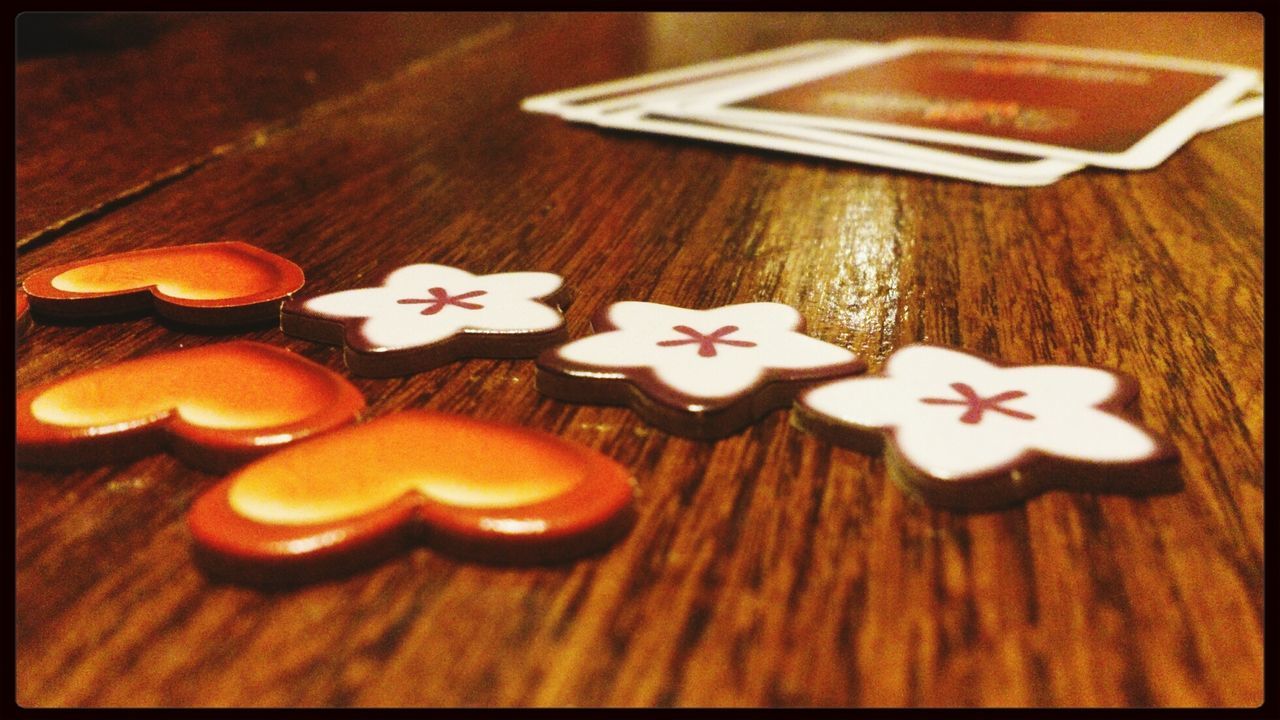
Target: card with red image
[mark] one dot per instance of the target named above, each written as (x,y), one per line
(1105,108)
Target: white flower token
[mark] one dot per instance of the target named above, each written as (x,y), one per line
(972,433)
(701,373)
(426,315)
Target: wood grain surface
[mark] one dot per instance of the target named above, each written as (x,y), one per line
(769,568)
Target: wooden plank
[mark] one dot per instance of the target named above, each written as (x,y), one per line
(158,95)
(769,568)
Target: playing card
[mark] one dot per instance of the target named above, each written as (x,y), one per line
(985,162)
(639,103)
(1106,108)
(620,103)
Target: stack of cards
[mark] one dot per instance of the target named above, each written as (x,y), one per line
(1004,113)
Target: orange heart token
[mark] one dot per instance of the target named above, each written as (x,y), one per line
(355,496)
(216,407)
(210,284)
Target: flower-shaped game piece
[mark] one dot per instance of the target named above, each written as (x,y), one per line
(423,316)
(215,406)
(968,433)
(216,284)
(698,373)
(354,496)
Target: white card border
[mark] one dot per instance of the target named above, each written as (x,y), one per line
(1034,167)
(635,119)
(562,101)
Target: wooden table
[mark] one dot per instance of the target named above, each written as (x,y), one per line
(769,568)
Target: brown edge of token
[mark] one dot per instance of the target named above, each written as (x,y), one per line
(364,359)
(227,546)
(639,389)
(593,515)
(48,446)
(22,308)
(1030,474)
(49,302)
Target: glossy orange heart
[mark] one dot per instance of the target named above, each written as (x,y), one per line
(220,283)
(216,406)
(354,496)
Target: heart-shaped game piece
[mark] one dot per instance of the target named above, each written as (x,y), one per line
(474,488)
(423,316)
(216,406)
(215,284)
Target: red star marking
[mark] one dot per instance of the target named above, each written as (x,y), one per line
(706,343)
(440,297)
(978,405)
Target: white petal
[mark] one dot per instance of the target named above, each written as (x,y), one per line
(795,351)
(608,349)
(1051,388)
(395,331)
(507,315)
(771,317)
(935,365)
(707,377)
(948,449)
(650,317)
(869,401)
(1093,435)
(417,279)
(364,302)
(767,316)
